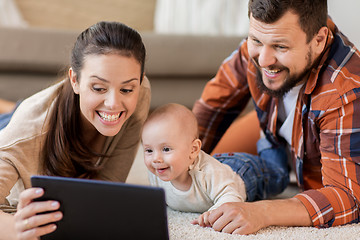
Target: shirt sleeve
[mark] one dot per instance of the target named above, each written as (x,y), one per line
(337,203)
(222,184)
(223,98)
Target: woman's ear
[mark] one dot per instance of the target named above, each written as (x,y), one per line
(73,81)
(195,148)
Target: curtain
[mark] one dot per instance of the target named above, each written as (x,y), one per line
(205,17)
(10,16)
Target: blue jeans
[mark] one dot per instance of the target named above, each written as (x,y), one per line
(5,117)
(264,175)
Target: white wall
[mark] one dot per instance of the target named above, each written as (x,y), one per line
(210,17)
(345,14)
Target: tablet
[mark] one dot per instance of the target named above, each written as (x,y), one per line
(95,209)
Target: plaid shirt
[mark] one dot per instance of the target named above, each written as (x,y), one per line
(325,147)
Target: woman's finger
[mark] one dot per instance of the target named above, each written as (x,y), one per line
(39,220)
(35,233)
(38,207)
(28,195)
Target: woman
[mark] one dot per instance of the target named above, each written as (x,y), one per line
(86,126)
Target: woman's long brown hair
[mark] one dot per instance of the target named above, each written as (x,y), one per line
(65,153)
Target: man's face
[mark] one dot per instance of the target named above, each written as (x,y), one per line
(280,52)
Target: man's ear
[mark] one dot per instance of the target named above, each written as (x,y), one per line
(73,81)
(195,148)
(319,41)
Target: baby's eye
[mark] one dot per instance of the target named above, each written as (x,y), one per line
(166,149)
(148,151)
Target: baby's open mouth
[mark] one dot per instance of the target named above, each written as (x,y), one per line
(161,170)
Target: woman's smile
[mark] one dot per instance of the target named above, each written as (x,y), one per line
(108,117)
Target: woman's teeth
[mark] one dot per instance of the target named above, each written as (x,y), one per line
(109,117)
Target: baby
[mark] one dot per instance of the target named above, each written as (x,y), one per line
(193,180)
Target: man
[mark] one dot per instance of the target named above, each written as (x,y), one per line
(303,77)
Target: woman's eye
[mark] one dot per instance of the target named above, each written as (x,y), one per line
(125,90)
(98,89)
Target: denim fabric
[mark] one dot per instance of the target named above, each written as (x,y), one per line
(5,117)
(264,175)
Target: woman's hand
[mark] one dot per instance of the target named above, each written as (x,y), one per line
(28,223)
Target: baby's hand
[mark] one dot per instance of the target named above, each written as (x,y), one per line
(202,220)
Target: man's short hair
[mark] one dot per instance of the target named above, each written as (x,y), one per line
(312,13)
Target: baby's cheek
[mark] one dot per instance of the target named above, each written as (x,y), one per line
(148,165)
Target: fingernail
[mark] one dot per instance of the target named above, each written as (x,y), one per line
(54,204)
(38,191)
(57,215)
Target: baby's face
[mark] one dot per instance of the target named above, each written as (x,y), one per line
(167,150)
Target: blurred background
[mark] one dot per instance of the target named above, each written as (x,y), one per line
(206,17)
(186,40)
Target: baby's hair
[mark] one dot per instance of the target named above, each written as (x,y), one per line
(179,113)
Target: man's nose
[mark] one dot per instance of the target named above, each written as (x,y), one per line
(266,57)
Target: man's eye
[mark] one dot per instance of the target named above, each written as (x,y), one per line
(281,47)
(256,42)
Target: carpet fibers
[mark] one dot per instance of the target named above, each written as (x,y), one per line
(180,228)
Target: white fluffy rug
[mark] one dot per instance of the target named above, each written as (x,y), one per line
(180,227)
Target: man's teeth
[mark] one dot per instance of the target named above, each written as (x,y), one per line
(108,117)
(272,71)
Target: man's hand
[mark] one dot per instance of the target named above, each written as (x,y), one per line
(203,220)
(249,217)
(237,218)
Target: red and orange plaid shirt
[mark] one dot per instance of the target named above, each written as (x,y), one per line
(325,147)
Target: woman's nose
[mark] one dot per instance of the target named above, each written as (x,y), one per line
(112,100)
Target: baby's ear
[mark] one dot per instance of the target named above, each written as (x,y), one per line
(195,148)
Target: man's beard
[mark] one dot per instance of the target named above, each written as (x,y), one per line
(289,83)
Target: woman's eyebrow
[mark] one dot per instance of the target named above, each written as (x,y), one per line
(100,78)
(107,81)
(130,80)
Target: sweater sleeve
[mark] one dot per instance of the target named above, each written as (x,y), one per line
(8,178)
